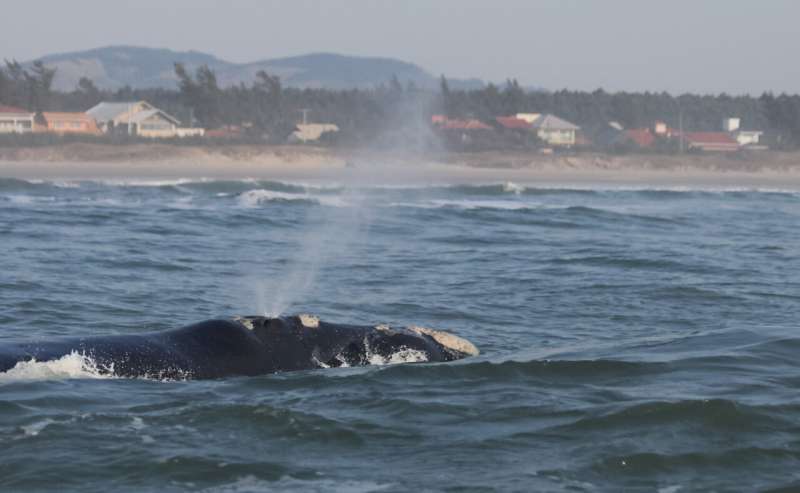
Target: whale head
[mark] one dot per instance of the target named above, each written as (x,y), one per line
(356,345)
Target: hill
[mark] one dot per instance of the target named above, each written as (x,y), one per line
(114,67)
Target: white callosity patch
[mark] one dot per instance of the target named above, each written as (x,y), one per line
(448,340)
(244,321)
(310,321)
(402,355)
(385,329)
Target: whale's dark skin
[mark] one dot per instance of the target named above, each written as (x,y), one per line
(240,347)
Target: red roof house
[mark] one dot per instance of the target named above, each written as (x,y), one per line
(642,137)
(468,124)
(513,123)
(711,141)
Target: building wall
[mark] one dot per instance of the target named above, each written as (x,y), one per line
(189,132)
(71,126)
(122,118)
(713,147)
(748,138)
(157,128)
(528,117)
(16,124)
(557,137)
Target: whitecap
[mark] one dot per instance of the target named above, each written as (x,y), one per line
(469,204)
(34,429)
(28,199)
(255,198)
(512,187)
(251,484)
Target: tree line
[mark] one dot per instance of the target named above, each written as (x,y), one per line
(397,114)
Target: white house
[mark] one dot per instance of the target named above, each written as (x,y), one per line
(114,117)
(139,118)
(15,120)
(555,131)
(311,132)
(745,138)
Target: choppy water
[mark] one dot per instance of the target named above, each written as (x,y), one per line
(644,340)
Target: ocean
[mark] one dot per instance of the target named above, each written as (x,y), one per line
(632,338)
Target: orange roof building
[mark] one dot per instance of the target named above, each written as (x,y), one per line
(711,141)
(67,123)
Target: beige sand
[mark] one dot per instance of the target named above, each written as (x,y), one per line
(319,165)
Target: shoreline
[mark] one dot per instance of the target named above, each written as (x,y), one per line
(79,161)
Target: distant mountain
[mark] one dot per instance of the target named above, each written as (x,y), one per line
(114,67)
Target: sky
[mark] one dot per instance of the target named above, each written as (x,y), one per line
(705,46)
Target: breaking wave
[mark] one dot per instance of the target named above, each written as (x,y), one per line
(256,198)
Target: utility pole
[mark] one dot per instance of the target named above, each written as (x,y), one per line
(680,123)
(130,119)
(305,112)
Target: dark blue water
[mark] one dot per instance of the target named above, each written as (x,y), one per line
(637,340)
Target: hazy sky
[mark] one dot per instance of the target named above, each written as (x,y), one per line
(734,46)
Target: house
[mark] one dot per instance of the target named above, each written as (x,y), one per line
(444,123)
(528,117)
(555,131)
(66,123)
(467,131)
(153,123)
(710,141)
(114,117)
(139,118)
(15,120)
(311,132)
(643,138)
(514,123)
(745,138)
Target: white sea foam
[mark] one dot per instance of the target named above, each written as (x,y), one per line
(251,484)
(28,199)
(255,198)
(154,182)
(470,204)
(73,365)
(512,187)
(34,429)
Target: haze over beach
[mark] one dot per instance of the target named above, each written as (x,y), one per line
(376,246)
(481,101)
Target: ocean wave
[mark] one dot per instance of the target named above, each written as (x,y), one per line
(17,199)
(256,198)
(471,204)
(253,484)
(716,413)
(489,188)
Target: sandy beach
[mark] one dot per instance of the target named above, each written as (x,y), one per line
(323,165)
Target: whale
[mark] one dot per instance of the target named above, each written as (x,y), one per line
(245,346)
